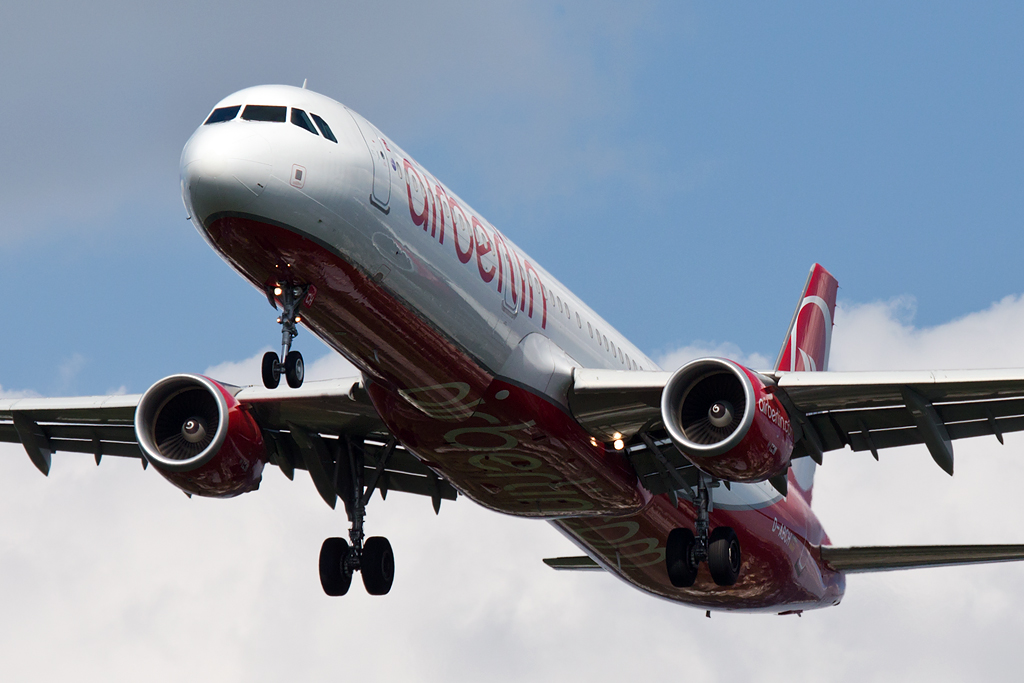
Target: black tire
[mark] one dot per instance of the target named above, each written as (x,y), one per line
(294,369)
(378,565)
(682,570)
(334,576)
(724,556)
(271,370)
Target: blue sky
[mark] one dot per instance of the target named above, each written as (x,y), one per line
(678,165)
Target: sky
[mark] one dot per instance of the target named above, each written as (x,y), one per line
(679,166)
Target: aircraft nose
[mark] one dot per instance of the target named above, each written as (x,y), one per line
(224,168)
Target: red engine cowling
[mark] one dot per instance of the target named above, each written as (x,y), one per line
(726,422)
(199,437)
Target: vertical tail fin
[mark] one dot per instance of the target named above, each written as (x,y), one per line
(810,332)
(806,348)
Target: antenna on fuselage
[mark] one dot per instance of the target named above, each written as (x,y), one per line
(304,83)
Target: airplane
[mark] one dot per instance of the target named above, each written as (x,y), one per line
(482,376)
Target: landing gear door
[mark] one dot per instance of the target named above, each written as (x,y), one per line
(381,194)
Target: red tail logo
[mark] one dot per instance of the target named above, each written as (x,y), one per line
(810,333)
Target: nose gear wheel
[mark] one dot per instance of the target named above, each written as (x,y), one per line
(293,367)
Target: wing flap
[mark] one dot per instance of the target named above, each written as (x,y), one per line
(891,558)
(118,448)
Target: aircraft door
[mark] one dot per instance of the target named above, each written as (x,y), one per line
(380,196)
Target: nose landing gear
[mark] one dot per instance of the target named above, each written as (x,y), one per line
(684,550)
(294,369)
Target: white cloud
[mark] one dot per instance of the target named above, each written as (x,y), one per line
(330,366)
(240,373)
(7,393)
(248,371)
(682,355)
(69,370)
(125,577)
(882,336)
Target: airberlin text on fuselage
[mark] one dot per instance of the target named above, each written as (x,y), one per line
(767,407)
(431,207)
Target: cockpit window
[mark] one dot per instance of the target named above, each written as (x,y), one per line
(262,112)
(324,128)
(300,119)
(223,114)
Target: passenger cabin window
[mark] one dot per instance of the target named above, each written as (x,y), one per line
(324,128)
(263,112)
(300,119)
(223,114)
(590,328)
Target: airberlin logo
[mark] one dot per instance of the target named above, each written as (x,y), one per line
(473,239)
(811,336)
(767,407)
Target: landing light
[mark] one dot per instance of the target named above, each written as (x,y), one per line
(298,318)
(279,320)
(619,444)
(278,292)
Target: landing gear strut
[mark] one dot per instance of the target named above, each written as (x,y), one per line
(372,557)
(685,550)
(294,369)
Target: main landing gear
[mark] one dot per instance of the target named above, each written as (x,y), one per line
(294,369)
(685,550)
(372,557)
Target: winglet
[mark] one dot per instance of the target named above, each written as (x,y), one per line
(810,332)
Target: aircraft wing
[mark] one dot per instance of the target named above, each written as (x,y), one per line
(867,411)
(889,558)
(302,429)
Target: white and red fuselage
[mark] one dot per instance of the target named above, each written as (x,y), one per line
(467,345)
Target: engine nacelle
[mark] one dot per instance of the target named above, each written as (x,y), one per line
(199,437)
(726,422)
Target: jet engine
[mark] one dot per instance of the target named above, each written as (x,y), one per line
(199,437)
(726,421)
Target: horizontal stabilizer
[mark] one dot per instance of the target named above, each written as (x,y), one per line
(887,558)
(581,563)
